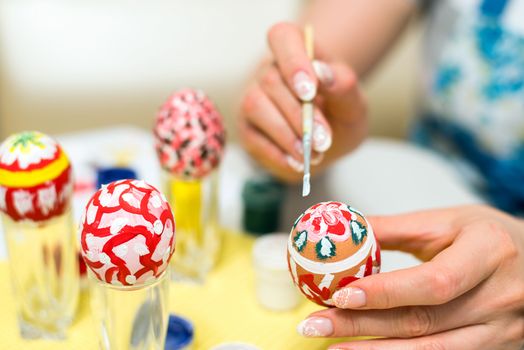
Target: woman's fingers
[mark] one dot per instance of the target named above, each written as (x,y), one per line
(397,323)
(471,259)
(476,337)
(322,133)
(276,89)
(403,322)
(344,107)
(423,233)
(287,44)
(260,147)
(260,111)
(455,301)
(341,92)
(266,153)
(324,73)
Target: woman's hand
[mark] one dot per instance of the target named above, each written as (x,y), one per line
(270,123)
(468,295)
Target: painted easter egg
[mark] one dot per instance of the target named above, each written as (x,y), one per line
(127,233)
(189,135)
(36,181)
(331,245)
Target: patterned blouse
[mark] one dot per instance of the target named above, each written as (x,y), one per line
(472,103)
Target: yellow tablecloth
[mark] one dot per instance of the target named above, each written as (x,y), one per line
(224,309)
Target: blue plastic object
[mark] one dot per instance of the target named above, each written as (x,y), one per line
(180,333)
(107,175)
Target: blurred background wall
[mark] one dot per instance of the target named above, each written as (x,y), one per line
(68,65)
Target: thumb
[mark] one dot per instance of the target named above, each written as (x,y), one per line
(423,233)
(340,89)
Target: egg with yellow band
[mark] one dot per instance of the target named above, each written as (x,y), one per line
(36,181)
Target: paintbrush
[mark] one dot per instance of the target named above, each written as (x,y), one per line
(307,120)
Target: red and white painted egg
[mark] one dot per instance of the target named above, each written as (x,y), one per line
(127,233)
(331,245)
(189,135)
(36,180)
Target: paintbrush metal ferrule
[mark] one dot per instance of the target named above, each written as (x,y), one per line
(307,126)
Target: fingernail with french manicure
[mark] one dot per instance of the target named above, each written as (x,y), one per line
(321,138)
(316,160)
(299,147)
(324,73)
(315,327)
(295,164)
(304,86)
(349,298)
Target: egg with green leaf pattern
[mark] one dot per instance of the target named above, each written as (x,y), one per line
(331,245)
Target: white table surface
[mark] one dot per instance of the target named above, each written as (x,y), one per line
(382,177)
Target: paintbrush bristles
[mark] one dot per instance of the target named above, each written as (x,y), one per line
(306,187)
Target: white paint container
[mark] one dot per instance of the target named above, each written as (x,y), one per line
(235,346)
(273,283)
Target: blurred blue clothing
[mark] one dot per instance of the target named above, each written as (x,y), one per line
(472,103)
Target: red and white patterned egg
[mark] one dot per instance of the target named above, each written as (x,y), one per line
(189,135)
(127,233)
(331,245)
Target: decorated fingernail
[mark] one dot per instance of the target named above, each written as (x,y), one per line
(299,147)
(349,298)
(316,160)
(304,86)
(324,73)
(295,164)
(321,137)
(315,327)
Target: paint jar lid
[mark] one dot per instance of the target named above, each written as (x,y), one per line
(107,175)
(262,199)
(235,346)
(180,333)
(270,251)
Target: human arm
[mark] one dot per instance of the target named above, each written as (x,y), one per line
(350,37)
